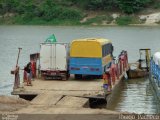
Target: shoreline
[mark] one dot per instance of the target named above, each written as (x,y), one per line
(108,25)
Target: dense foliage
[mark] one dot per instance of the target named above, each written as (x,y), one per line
(126,6)
(47,10)
(55,6)
(67,10)
(133,6)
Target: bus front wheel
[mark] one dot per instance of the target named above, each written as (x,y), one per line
(78,76)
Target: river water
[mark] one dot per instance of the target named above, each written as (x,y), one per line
(135,96)
(123,38)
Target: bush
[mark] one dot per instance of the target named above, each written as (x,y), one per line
(100,4)
(9,5)
(1,9)
(50,10)
(69,14)
(132,6)
(66,3)
(157,5)
(124,20)
(99,19)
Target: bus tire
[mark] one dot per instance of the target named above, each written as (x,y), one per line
(78,76)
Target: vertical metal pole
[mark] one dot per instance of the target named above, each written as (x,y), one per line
(147,59)
(17,77)
(18,55)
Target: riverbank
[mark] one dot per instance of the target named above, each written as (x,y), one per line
(15,105)
(91,19)
(73,12)
(19,109)
(11,104)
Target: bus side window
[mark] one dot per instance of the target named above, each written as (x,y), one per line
(103,50)
(107,48)
(112,48)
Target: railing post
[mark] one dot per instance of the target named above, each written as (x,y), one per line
(17,78)
(112,72)
(117,70)
(120,64)
(127,59)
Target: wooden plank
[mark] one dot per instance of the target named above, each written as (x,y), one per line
(46,99)
(69,101)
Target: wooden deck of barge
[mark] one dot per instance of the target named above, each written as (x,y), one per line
(85,88)
(65,97)
(71,87)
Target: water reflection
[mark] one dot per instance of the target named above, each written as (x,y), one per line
(135,96)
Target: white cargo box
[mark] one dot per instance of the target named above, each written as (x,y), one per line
(156,58)
(54,56)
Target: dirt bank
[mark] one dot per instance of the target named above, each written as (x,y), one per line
(112,19)
(14,108)
(10,104)
(21,106)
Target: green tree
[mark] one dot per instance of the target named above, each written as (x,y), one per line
(49,10)
(132,6)
(100,4)
(1,9)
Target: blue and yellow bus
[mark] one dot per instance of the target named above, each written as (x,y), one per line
(90,56)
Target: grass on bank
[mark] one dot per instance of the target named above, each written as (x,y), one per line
(127,20)
(18,20)
(99,20)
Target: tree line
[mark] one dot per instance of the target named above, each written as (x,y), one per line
(44,9)
(125,6)
(68,9)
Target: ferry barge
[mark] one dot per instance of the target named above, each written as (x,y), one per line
(82,90)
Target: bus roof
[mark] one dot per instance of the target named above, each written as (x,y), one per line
(101,41)
(89,47)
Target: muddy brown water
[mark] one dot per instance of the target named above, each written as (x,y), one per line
(132,98)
